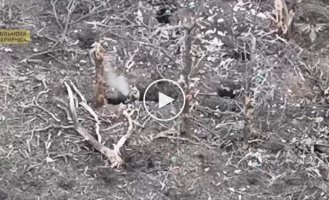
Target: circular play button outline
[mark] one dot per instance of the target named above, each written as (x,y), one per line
(155,82)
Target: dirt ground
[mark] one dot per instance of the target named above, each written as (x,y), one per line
(285,157)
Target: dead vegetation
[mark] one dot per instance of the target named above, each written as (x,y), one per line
(283,17)
(97,54)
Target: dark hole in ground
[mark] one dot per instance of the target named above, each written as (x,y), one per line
(164,11)
(163,15)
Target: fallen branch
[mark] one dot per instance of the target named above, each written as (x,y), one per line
(124,138)
(112,155)
(90,110)
(27,59)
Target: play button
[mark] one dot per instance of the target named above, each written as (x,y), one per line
(169,102)
(164,100)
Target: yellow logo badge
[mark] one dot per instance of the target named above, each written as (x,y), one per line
(14,36)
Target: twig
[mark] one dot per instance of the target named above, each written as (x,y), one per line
(165,134)
(70,8)
(112,155)
(42,92)
(112,127)
(159,72)
(53,4)
(207,128)
(83,99)
(25,60)
(302,193)
(44,36)
(64,108)
(84,104)
(167,28)
(50,127)
(124,138)
(47,111)
(36,104)
(249,101)
(90,14)
(130,62)
(165,52)
(196,66)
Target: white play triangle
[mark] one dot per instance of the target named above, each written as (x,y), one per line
(164,100)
